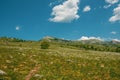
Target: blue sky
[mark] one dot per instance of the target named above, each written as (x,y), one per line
(68,19)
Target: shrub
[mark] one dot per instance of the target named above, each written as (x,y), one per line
(45,45)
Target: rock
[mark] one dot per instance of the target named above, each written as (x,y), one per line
(38,76)
(2,72)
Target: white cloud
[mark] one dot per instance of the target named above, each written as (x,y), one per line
(86,9)
(65,12)
(17,28)
(116,16)
(90,38)
(107,6)
(111,1)
(51,4)
(113,32)
(55,2)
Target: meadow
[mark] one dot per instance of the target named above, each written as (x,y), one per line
(27,61)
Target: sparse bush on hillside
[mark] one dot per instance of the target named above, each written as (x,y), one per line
(118,49)
(8,39)
(45,44)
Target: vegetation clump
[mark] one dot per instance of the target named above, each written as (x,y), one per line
(45,44)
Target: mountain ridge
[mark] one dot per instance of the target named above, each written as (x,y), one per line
(114,41)
(51,38)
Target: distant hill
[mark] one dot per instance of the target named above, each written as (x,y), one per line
(92,44)
(90,41)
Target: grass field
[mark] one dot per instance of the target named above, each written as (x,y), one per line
(26,61)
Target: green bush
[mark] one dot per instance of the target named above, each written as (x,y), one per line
(45,45)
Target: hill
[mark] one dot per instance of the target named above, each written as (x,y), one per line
(64,60)
(92,44)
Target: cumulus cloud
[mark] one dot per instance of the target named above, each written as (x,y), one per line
(17,28)
(86,9)
(116,14)
(90,38)
(55,2)
(111,1)
(65,12)
(107,6)
(113,32)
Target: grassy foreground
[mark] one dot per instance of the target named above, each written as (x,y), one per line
(26,61)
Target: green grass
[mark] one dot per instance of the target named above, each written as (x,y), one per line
(17,59)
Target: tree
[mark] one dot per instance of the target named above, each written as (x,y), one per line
(45,44)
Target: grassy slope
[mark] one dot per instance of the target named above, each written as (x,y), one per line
(18,59)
